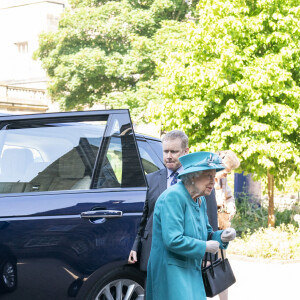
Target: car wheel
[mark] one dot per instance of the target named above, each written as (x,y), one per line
(123,283)
(8,275)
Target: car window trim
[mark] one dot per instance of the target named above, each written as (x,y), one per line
(96,190)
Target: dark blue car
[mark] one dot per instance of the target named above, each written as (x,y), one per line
(72,190)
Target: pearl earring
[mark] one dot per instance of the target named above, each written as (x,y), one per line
(193,182)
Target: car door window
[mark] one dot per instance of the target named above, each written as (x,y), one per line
(119,163)
(157,148)
(150,161)
(49,156)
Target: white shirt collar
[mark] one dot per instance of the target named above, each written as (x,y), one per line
(179,170)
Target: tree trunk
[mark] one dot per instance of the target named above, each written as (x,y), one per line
(271,216)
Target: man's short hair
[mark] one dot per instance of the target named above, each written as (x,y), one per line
(177,134)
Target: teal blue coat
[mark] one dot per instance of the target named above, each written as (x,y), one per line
(180,232)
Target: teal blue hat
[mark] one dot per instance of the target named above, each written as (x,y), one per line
(200,161)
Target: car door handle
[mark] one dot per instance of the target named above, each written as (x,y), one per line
(108,214)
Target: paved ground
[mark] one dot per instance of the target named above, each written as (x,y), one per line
(261,280)
(255,280)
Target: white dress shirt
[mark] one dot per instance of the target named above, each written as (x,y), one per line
(169,179)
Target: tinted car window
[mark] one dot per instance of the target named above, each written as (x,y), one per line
(120,164)
(49,156)
(151,162)
(157,148)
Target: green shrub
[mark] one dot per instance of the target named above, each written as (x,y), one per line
(255,239)
(251,216)
(285,217)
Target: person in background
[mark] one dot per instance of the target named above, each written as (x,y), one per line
(224,196)
(181,231)
(175,145)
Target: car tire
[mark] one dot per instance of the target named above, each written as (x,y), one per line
(8,275)
(120,283)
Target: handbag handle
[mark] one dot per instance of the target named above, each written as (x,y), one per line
(222,254)
(210,255)
(205,260)
(211,266)
(216,257)
(210,235)
(223,261)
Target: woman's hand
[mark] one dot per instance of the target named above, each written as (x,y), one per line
(228,235)
(212,247)
(132,257)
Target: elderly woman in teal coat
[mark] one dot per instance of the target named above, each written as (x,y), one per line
(181,231)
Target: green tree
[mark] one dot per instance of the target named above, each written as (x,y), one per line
(105,51)
(235,84)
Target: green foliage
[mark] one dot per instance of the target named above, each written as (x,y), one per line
(229,77)
(251,216)
(282,243)
(105,51)
(285,217)
(235,84)
(255,239)
(291,186)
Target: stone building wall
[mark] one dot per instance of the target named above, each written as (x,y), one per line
(22,79)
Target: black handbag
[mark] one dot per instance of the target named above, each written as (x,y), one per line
(218,276)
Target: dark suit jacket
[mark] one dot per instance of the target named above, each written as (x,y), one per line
(157,183)
(212,210)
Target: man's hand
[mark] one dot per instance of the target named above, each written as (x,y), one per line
(212,247)
(132,257)
(228,235)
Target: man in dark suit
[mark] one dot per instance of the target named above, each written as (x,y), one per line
(175,144)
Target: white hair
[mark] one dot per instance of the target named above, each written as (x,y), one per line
(187,179)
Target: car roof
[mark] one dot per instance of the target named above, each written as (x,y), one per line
(147,137)
(138,135)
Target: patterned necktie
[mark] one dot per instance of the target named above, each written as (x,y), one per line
(174,180)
